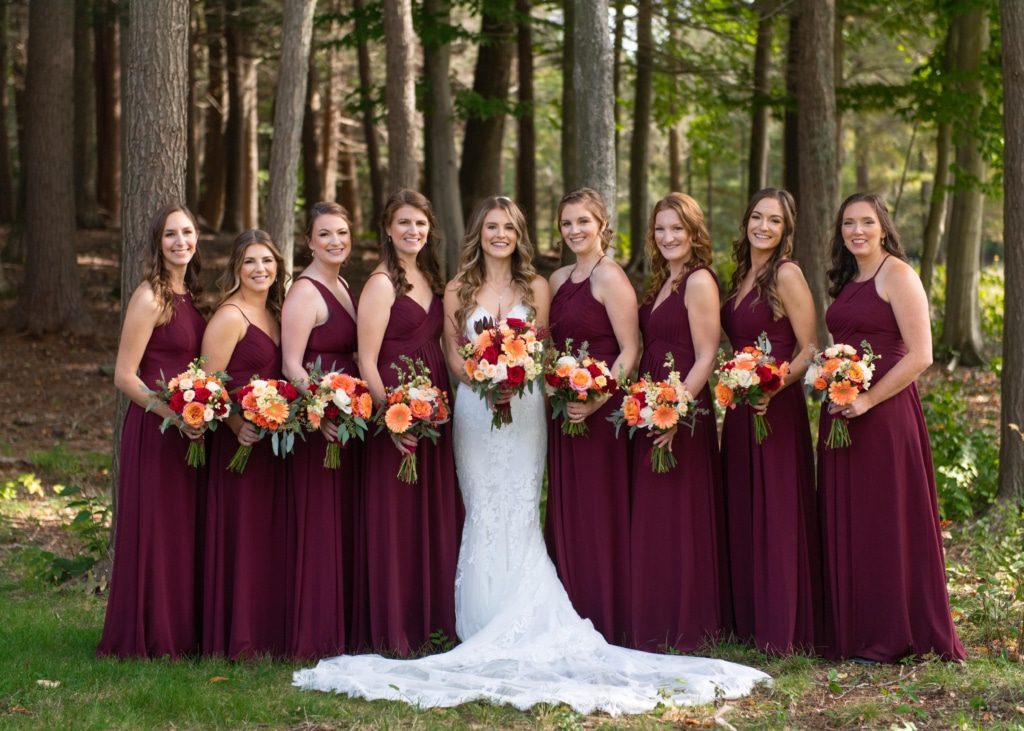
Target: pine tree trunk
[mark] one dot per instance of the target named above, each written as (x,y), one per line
(790,135)
(1011,452)
(312,140)
(289,105)
(86,208)
(211,205)
(241,205)
(639,148)
(757,170)
(7,203)
(403,172)
(617,39)
(348,187)
(107,68)
(526,156)
(368,112)
(675,155)
(196,60)
(331,128)
(570,150)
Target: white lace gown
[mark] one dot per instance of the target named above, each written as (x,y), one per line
(522,642)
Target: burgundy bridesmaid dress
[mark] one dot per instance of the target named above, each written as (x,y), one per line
(885,579)
(587,524)
(409,534)
(153,606)
(244,568)
(679,597)
(771,506)
(321,528)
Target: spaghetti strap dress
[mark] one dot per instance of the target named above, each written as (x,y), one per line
(885,578)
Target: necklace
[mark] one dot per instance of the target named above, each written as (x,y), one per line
(500,293)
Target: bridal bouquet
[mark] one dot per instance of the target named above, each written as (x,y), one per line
(415,406)
(506,357)
(198,399)
(576,379)
(841,373)
(272,405)
(751,374)
(339,398)
(658,407)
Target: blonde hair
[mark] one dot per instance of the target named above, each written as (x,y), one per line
(593,202)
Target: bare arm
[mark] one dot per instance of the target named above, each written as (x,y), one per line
(303,310)
(703,313)
(451,331)
(541,301)
(799,306)
(223,333)
(139,322)
(374,313)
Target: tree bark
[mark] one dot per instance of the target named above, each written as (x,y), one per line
(757,170)
(403,172)
(617,38)
(961,330)
(675,156)
(86,207)
(211,205)
(367,106)
(570,152)
(348,188)
(816,148)
(526,156)
(790,134)
(7,203)
(289,106)
(107,36)
(196,58)
(241,204)
(330,136)
(639,148)
(1011,451)
(312,140)
(439,139)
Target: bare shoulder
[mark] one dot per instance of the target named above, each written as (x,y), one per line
(790,276)
(559,276)
(898,276)
(144,302)
(452,286)
(702,281)
(608,271)
(302,290)
(378,290)
(540,288)
(227,317)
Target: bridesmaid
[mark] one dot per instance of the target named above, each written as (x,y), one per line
(410,533)
(153,605)
(246,514)
(769,488)
(318,321)
(885,581)
(587,526)
(676,546)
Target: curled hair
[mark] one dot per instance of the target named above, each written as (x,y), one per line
(156,269)
(593,202)
(426,259)
(325,208)
(692,216)
(766,283)
(472,271)
(231,279)
(844,264)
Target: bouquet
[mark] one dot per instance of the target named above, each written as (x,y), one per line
(841,373)
(198,399)
(505,357)
(415,406)
(657,406)
(272,405)
(749,376)
(340,398)
(576,378)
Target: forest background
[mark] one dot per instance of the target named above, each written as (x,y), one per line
(249,110)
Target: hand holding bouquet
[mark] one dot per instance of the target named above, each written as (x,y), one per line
(416,407)
(504,359)
(271,405)
(576,379)
(842,374)
(747,378)
(338,398)
(658,407)
(198,400)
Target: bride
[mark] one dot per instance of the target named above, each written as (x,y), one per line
(522,641)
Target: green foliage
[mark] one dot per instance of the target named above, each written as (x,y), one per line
(24,484)
(63,464)
(991,302)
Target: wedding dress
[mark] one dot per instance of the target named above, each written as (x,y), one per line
(522,641)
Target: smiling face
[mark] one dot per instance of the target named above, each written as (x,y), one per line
(581,229)
(862,231)
(671,236)
(766,225)
(498,235)
(409,228)
(178,240)
(258,269)
(330,239)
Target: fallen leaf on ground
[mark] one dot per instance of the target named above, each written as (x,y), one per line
(44,683)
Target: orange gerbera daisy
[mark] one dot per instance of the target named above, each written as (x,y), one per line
(193,414)
(276,411)
(723,394)
(842,393)
(420,409)
(483,341)
(665,417)
(398,418)
(631,411)
(314,419)
(514,348)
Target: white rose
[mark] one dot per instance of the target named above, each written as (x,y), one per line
(646,413)
(501,372)
(208,414)
(212,387)
(418,394)
(343,401)
(189,395)
(185,383)
(566,360)
(744,378)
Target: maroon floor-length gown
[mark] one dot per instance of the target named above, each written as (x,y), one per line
(245,564)
(409,533)
(153,608)
(679,597)
(885,580)
(771,506)
(322,527)
(587,524)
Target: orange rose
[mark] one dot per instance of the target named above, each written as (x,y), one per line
(365,404)
(746,365)
(398,418)
(563,370)
(395,396)
(631,411)
(723,394)
(820,384)
(420,409)
(470,367)
(193,414)
(580,379)
(249,402)
(855,373)
(442,411)
(666,393)
(831,365)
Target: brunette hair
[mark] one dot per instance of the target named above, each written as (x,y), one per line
(766,284)
(325,208)
(471,259)
(426,260)
(155,271)
(231,280)
(844,264)
(593,202)
(692,216)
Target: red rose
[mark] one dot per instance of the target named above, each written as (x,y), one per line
(553,380)
(515,323)
(770,380)
(287,390)
(490,355)
(516,375)
(331,412)
(641,398)
(312,387)
(177,402)
(243,392)
(594,369)
(202,395)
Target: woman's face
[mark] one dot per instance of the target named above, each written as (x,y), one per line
(862,232)
(178,241)
(580,229)
(498,235)
(766,225)
(258,271)
(672,237)
(331,240)
(409,229)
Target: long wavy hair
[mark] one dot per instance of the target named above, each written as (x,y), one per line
(155,271)
(692,216)
(426,260)
(327,208)
(765,283)
(472,269)
(593,202)
(844,264)
(231,279)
